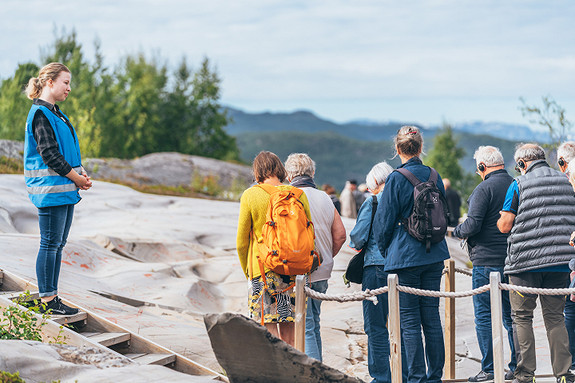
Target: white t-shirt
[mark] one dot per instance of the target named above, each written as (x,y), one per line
(322,213)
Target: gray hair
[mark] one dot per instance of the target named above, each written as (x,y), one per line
(528,152)
(566,151)
(378,175)
(489,155)
(299,164)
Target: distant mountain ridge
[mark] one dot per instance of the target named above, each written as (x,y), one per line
(365,129)
(348,150)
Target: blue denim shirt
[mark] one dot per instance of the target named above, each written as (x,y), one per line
(360,232)
(399,248)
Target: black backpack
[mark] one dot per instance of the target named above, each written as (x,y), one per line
(428,220)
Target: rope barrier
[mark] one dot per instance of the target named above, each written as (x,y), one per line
(444,294)
(535,290)
(355,296)
(464,272)
(371,294)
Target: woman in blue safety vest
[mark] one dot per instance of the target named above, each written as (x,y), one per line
(54,174)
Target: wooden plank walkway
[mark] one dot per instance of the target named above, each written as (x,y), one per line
(88,329)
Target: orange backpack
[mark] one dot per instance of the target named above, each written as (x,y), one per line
(288,237)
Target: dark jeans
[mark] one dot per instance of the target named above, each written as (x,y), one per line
(417,313)
(55,225)
(482,309)
(570,324)
(522,306)
(375,326)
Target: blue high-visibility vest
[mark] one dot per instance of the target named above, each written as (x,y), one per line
(46,187)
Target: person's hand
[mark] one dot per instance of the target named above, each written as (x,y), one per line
(82,181)
(88,185)
(572,239)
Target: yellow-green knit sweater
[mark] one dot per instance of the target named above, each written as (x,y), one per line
(253,208)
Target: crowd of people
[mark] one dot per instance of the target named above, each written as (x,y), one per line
(522,228)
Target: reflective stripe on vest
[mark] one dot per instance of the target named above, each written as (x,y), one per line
(46,172)
(51,189)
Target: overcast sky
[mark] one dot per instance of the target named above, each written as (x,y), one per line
(419,61)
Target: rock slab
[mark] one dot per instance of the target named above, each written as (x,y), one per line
(251,354)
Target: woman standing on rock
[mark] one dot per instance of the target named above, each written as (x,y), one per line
(276,302)
(415,265)
(54,174)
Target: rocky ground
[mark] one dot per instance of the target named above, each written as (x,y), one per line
(177,256)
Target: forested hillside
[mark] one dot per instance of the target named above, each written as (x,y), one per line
(135,107)
(341,151)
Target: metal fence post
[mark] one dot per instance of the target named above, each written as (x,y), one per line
(394,328)
(449,332)
(300,310)
(497,327)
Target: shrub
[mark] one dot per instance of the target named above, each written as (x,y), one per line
(20,322)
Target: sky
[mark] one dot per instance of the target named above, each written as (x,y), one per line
(414,61)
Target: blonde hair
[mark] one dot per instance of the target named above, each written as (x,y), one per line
(409,141)
(48,72)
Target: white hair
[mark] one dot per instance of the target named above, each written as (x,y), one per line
(378,175)
(528,152)
(489,155)
(566,151)
(299,164)
(571,171)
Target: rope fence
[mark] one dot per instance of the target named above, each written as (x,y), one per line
(495,287)
(370,294)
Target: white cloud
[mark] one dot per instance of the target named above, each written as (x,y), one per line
(319,53)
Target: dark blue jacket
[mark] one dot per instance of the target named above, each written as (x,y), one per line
(488,244)
(399,248)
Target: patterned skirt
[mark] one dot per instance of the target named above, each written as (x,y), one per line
(276,302)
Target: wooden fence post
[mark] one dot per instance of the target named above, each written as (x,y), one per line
(497,327)
(394,328)
(449,332)
(300,310)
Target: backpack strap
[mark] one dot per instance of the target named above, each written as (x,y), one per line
(433,176)
(409,175)
(373,209)
(270,189)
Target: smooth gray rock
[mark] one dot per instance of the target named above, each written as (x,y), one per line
(170,169)
(12,149)
(41,362)
(250,353)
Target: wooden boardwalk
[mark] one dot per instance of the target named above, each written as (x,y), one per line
(89,329)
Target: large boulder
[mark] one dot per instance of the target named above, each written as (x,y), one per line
(12,149)
(170,169)
(250,353)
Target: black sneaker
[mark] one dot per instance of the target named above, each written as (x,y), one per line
(509,375)
(481,377)
(56,307)
(565,379)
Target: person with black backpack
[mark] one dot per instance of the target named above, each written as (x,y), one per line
(409,227)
